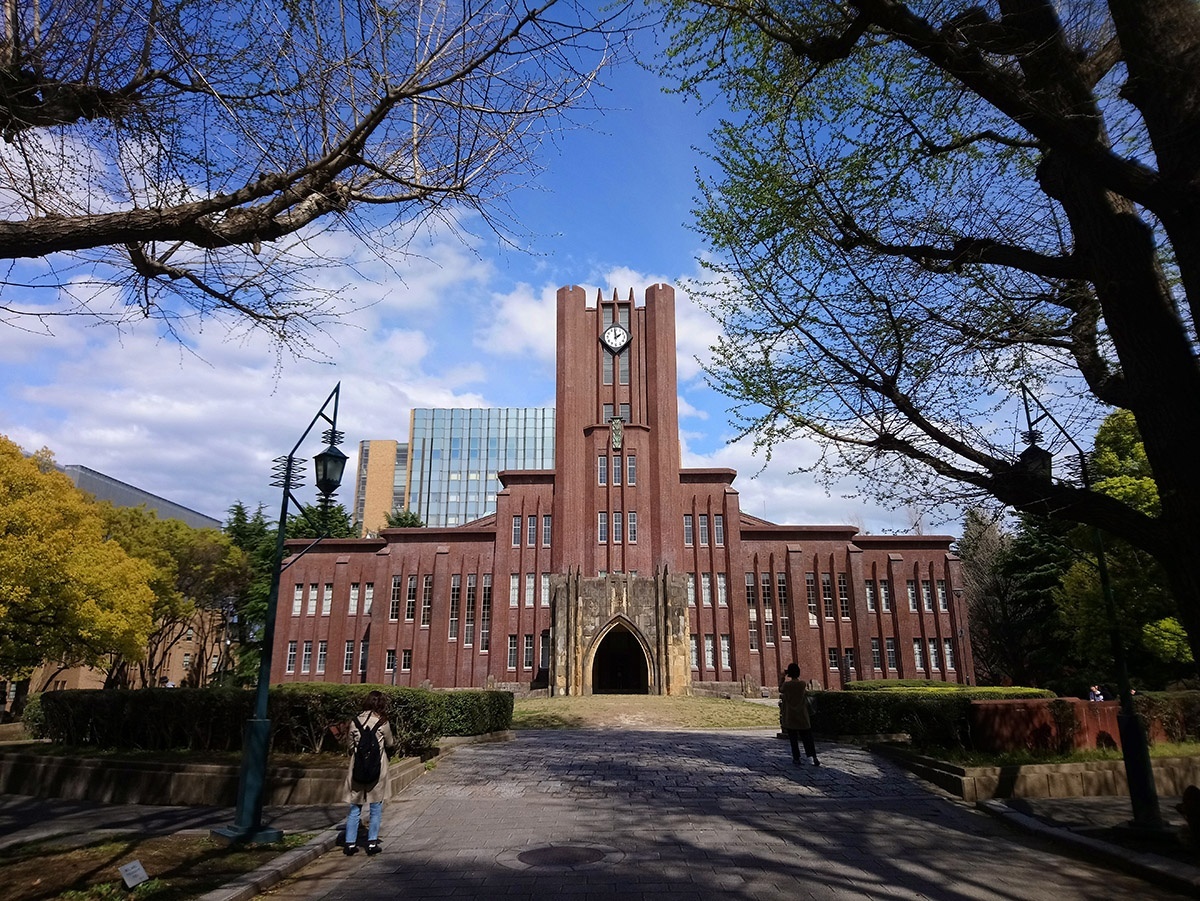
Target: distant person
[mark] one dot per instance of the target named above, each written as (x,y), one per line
(1095,694)
(793,714)
(370,725)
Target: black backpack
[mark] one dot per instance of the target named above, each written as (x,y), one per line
(368,760)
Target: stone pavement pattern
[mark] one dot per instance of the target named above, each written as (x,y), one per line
(691,815)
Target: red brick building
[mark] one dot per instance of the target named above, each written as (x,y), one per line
(619,570)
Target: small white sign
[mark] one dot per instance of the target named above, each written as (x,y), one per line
(133,873)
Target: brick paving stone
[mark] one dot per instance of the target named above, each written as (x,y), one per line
(696,815)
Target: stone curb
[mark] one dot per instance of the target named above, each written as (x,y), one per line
(1151,867)
(254,883)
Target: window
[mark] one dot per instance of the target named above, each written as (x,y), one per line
(312,599)
(933,654)
(927,595)
(469,623)
(632,536)
(298,601)
(695,648)
(781,598)
(831,654)
(427,601)
(722,590)
(368,598)
(602,469)
(617,469)
(362,656)
(706,589)
(389,661)
(348,662)
(688,535)
(870,587)
(602,527)
(827,594)
(725,651)
(291,657)
(410,604)
(512,652)
(876,656)
(544,659)
(890,646)
(322,654)
(485,614)
(406,660)
(545,589)
(187,658)
(810,589)
(691,589)
(752,605)
(618,527)
(191,634)
(546,530)
(948,647)
(943,601)
(531,531)
(918,654)
(528,652)
(885,595)
(631,470)
(718,530)
(455,604)
(710,651)
(514,589)
(516,531)
(327,600)
(529,589)
(703,530)
(768,610)
(848,656)
(843,596)
(305,658)
(912,596)
(397,597)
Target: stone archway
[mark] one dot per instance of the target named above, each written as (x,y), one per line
(619,665)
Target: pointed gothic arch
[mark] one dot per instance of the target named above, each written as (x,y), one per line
(620,660)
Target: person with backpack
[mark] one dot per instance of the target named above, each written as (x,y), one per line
(371,741)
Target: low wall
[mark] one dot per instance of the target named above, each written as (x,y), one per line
(1097,778)
(1030,724)
(152,782)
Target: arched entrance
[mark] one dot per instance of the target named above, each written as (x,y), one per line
(620,665)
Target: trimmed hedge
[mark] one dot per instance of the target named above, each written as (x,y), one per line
(303,716)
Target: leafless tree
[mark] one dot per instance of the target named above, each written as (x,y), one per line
(176,159)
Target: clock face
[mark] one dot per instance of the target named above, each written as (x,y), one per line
(615,337)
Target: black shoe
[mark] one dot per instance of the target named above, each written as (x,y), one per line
(350,850)
(373,848)
(816,762)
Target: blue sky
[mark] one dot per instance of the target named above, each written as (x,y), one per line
(463,325)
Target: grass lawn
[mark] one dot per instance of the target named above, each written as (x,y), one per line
(643,712)
(1020,758)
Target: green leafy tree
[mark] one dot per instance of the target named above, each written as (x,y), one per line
(177,158)
(69,594)
(322,521)
(404,519)
(920,206)
(254,534)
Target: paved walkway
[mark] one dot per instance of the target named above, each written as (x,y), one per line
(691,815)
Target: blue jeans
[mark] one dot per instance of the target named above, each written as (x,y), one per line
(372,824)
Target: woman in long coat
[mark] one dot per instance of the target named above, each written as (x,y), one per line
(793,714)
(374,715)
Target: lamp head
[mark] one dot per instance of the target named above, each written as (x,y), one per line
(330,464)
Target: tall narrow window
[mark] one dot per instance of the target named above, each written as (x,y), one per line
(545,589)
(710,651)
(768,609)
(427,601)
(706,589)
(703,530)
(406,660)
(529,583)
(870,590)
(531,538)
(694,645)
(831,654)
(322,654)
(890,647)
(389,662)
(827,594)
(512,652)
(544,657)
(368,597)
(352,609)
(291,657)
(617,468)
(848,656)
(933,654)
(516,531)
(348,660)
(843,596)
(485,613)
(632,536)
(631,470)
(725,652)
(410,603)
(885,595)
(912,596)
(688,534)
(918,654)
(948,647)
(546,530)
(397,597)
(618,527)
(469,618)
(927,596)
(327,600)
(781,600)
(455,604)
(305,658)
(298,600)
(362,655)
(514,590)
(718,530)
(876,656)
(752,604)
(602,527)
(810,590)
(691,589)
(312,599)
(602,469)
(722,590)
(943,601)
(528,652)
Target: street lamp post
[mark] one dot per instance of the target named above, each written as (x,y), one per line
(329,464)
(1139,774)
